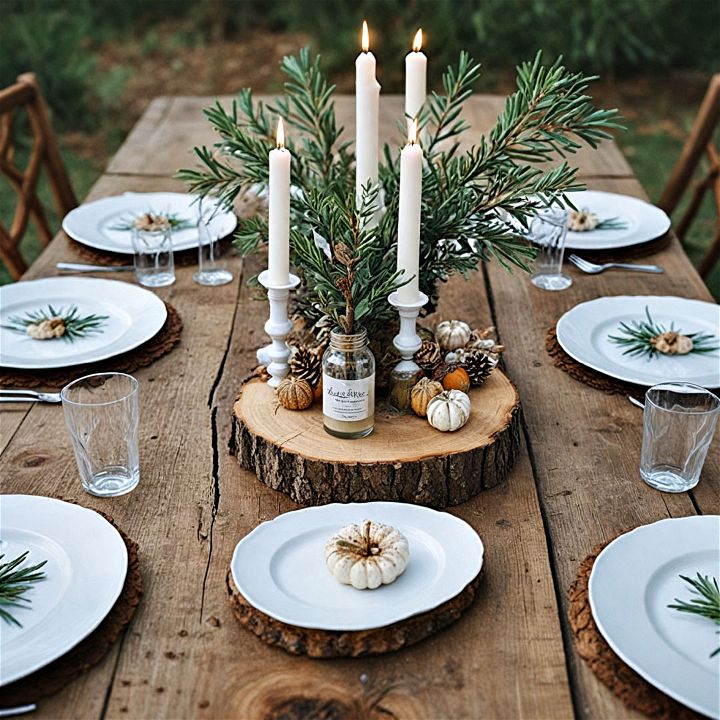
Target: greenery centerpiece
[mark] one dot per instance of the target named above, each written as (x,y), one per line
(475,202)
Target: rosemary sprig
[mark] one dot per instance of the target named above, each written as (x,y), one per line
(636,337)
(14,583)
(175,221)
(76,325)
(707,605)
(613,223)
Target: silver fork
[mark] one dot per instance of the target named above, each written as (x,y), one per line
(592,268)
(28,396)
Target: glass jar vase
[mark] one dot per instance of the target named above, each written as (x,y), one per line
(348,385)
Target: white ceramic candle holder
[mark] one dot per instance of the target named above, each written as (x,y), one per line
(407,342)
(275,356)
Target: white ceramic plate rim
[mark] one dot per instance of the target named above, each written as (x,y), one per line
(78,223)
(146,324)
(582,350)
(257,540)
(663,677)
(652,222)
(107,547)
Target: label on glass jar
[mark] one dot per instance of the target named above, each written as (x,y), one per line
(348,400)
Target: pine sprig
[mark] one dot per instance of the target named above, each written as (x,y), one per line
(76,325)
(707,602)
(473,200)
(636,337)
(14,583)
(341,260)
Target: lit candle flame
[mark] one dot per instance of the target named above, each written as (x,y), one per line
(417,41)
(280,136)
(412,133)
(365,37)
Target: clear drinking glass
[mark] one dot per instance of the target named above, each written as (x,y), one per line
(548,230)
(211,269)
(679,422)
(154,262)
(101,412)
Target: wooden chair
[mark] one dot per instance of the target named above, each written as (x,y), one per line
(700,142)
(25,95)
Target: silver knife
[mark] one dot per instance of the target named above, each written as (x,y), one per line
(84,267)
(19,710)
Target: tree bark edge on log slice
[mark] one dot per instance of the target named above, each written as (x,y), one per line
(336,644)
(404,460)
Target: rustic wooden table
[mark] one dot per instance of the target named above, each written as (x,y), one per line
(575,484)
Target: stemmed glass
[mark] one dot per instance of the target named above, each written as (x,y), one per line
(211,270)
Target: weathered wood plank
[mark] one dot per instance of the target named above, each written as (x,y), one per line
(586,445)
(164,138)
(503,659)
(186,657)
(168,510)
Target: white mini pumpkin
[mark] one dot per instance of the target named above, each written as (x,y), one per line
(449,410)
(452,334)
(368,556)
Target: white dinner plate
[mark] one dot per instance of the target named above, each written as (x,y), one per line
(633,581)
(644,222)
(583,334)
(134,316)
(85,572)
(93,223)
(280,566)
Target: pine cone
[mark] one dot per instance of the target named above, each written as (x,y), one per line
(442,369)
(478,366)
(428,356)
(307,364)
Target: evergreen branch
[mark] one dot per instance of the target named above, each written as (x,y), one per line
(638,338)
(14,583)
(707,602)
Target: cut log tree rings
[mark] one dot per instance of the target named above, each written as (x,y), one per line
(335,644)
(404,459)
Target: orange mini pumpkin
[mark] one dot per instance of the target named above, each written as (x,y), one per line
(457,379)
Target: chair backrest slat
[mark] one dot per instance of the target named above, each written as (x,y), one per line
(25,95)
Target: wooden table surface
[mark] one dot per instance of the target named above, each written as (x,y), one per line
(575,484)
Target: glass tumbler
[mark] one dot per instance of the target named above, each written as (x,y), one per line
(211,269)
(679,422)
(154,262)
(101,413)
(548,230)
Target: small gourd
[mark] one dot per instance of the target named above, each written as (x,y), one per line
(422,393)
(294,393)
(457,378)
(368,556)
(449,410)
(452,334)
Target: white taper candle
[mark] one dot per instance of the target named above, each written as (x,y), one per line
(408,258)
(367,109)
(415,79)
(279,212)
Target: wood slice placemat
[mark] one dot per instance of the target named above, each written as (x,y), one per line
(161,344)
(586,375)
(335,644)
(636,692)
(88,652)
(403,460)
